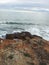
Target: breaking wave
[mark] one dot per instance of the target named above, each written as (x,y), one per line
(40,30)
(22,23)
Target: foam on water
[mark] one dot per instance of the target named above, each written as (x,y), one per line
(42,31)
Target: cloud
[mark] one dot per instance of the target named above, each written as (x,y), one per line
(40,9)
(24,1)
(35,3)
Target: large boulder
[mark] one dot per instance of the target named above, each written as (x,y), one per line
(22,35)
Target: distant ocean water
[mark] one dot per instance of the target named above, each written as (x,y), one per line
(37,23)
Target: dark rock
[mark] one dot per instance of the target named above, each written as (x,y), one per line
(10,36)
(22,35)
(35,36)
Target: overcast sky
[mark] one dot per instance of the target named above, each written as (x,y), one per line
(35,3)
(25,1)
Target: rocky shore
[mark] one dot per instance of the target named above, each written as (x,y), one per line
(24,49)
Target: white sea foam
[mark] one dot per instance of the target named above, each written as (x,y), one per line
(43,32)
(35,30)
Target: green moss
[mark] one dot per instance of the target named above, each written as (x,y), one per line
(41,63)
(30,63)
(10,57)
(26,54)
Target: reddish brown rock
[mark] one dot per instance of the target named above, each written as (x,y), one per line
(33,50)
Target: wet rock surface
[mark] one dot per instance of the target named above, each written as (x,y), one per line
(24,49)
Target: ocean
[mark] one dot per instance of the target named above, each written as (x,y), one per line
(37,23)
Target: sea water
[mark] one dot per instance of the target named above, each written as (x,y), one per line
(37,23)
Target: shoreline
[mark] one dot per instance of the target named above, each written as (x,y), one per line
(15,35)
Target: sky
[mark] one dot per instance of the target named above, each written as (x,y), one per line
(24,1)
(41,3)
